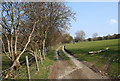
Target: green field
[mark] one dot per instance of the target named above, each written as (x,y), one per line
(110,58)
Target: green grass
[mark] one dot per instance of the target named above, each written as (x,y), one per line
(62,55)
(44,69)
(6,63)
(113,70)
(21,73)
(80,50)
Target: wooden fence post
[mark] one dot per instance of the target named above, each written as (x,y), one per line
(27,63)
(40,57)
(36,61)
(43,50)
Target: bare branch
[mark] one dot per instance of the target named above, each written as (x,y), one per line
(4,50)
(28,41)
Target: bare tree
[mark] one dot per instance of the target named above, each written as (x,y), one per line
(21,19)
(12,15)
(80,35)
(54,17)
(95,36)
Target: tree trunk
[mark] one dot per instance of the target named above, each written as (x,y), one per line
(11,34)
(15,52)
(45,51)
(36,61)
(11,44)
(8,42)
(9,48)
(4,50)
(17,59)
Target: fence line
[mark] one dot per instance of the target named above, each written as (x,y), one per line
(21,70)
(2,74)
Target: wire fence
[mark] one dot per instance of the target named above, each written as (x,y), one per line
(21,72)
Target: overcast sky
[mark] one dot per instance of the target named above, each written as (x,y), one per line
(95,17)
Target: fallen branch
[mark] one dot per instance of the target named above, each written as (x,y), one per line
(94,52)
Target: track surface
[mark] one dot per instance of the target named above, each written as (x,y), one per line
(73,69)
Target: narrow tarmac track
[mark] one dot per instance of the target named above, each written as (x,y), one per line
(73,69)
(83,71)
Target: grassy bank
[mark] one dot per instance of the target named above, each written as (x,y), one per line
(62,55)
(21,73)
(43,68)
(107,61)
(6,63)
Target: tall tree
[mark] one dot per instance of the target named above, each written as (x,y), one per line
(14,23)
(95,36)
(80,35)
(29,26)
(67,38)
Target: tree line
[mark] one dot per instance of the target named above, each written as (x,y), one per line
(32,27)
(80,37)
(114,36)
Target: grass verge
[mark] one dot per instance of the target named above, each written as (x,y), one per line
(21,73)
(62,55)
